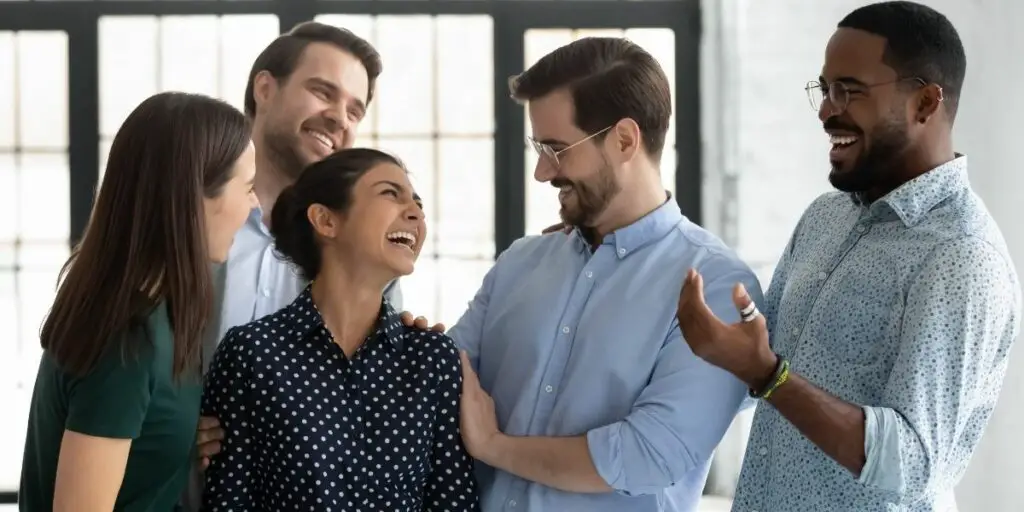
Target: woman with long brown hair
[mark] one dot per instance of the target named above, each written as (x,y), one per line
(117,396)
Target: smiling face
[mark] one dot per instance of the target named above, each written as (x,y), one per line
(226,213)
(315,111)
(870,134)
(383,228)
(584,175)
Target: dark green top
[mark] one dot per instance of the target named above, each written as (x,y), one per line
(124,398)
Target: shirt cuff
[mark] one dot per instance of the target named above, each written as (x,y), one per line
(883,468)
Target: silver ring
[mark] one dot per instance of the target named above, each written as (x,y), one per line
(749,313)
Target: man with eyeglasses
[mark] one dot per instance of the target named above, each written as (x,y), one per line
(578,392)
(889,319)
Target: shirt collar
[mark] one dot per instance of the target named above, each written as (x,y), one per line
(255,222)
(648,229)
(388,327)
(913,200)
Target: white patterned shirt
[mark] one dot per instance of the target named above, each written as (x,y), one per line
(908,307)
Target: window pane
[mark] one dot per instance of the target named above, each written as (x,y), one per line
(420,289)
(465,74)
(464,226)
(8,198)
(15,399)
(668,168)
(596,32)
(661,44)
(7,97)
(363,26)
(461,279)
(104,155)
(536,44)
(128,72)
(242,38)
(418,157)
(189,54)
(541,199)
(43,197)
(42,74)
(406,44)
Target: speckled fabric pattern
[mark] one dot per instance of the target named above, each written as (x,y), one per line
(907,306)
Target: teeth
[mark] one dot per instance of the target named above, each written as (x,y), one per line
(403,237)
(842,140)
(324,139)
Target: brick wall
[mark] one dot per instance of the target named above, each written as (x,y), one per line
(766,159)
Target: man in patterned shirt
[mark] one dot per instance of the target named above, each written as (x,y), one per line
(891,314)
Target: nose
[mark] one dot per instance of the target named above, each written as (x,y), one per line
(414,212)
(825,109)
(545,170)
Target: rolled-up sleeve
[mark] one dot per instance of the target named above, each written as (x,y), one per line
(962,315)
(682,414)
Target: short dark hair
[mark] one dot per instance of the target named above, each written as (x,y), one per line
(146,239)
(920,43)
(610,78)
(282,55)
(328,182)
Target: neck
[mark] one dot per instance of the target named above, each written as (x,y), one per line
(349,303)
(640,195)
(270,178)
(917,161)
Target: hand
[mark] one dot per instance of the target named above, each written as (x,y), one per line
(741,349)
(477,419)
(419,322)
(208,438)
(557,227)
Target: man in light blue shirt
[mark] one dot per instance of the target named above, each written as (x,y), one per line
(890,317)
(598,405)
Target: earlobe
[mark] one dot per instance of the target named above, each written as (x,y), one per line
(321,219)
(627,134)
(263,87)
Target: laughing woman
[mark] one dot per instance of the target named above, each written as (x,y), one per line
(331,403)
(116,400)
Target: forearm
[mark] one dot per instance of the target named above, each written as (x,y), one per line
(834,425)
(563,463)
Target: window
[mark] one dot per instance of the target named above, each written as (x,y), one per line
(34,216)
(214,59)
(541,199)
(434,109)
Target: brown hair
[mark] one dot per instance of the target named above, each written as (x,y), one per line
(146,238)
(610,79)
(282,56)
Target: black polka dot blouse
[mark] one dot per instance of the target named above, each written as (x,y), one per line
(309,429)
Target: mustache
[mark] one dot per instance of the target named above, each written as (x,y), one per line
(561,182)
(833,123)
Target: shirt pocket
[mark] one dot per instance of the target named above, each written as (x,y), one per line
(859,316)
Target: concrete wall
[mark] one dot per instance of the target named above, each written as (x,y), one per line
(766,159)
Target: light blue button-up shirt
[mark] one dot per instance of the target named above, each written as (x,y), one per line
(908,307)
(570,342)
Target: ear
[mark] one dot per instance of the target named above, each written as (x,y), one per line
(324,221)
(625,136)
(929,101)
(264,87)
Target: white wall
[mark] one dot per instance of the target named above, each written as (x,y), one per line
(766,159)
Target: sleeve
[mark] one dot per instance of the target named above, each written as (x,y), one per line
(451,486)
(468,332)
(961,317)
(233,477)
(685,410)
(111,400)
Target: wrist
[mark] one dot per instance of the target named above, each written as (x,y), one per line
(493,450)
(763,371)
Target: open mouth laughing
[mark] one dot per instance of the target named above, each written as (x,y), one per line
(404,239)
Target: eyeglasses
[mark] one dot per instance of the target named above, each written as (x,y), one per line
(838,93)
(549,152)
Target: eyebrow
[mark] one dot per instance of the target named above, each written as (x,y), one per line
(337,91)
(849,80)
(553,142)
(401,190)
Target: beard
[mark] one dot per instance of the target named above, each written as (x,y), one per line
(588,199)
(874,167)
(282,148)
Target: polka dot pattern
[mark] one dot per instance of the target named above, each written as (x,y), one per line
(308,429)
(907,306)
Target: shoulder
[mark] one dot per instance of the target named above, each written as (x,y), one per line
(971,256)
(709,254)
(530,247)
(435,347)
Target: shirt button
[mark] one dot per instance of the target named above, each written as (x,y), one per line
(822,276)
(861,228)
(763,451)
(565,330)
(548,389)
(622,251)
(796,331)
(590,274)
(265,292)
(512,503)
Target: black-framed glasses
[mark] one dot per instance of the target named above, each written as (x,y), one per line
(838,93)
(549,152)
